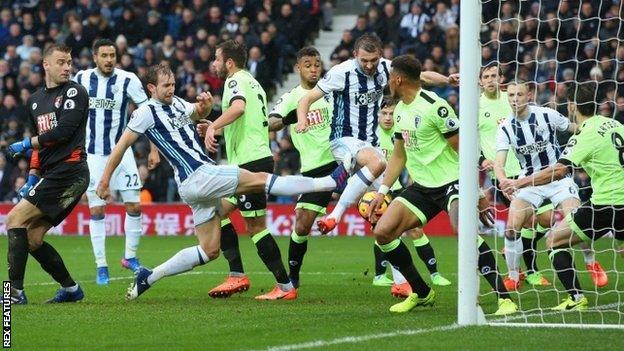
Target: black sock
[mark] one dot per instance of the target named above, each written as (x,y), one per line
(269,252)
(230,249)
(296,252)
(487,267)
(529,247)
(52,263)
(562,262)
(17,256)
(528,254)
(427,255)
(401,259)
(380,269)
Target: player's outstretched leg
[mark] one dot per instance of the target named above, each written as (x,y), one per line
(184,260)
(373,165)
(133,228)
(397,219)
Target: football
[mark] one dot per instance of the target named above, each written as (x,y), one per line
(367,199)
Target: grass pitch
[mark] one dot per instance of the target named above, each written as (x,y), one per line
(337,309)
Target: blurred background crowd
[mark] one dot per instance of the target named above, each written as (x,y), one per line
(548,42)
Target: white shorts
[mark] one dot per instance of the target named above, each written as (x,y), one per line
(557,192)
(345,150)
(205,187)
(125,179)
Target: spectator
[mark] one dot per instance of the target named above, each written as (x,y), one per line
(346,43)
(390,23)
(444,17)
(256,65)
(77,39)
(13,195)
(129,27)
(215,21)
(413,23)
(155,29)
(361,27)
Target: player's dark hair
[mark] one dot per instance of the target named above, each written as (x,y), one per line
(368,42)
(584,96)
(388,101)
(407,66)
(307,51)
(490,65)
(154,71)
(56,47)
(231,49)
(102,42)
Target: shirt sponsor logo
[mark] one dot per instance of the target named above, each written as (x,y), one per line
(371,97)
(409,138)
(443,112)
(46,121)
(178,122)
(540,146)
(105,104)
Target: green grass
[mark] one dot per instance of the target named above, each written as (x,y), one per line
(336,300)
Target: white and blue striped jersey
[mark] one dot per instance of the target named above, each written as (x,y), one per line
(534,139)
(356,98)
(171,129)
(108,106)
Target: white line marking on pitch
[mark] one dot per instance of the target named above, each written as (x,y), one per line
(360,338)
(84,280)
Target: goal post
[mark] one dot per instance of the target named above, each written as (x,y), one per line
(468,311)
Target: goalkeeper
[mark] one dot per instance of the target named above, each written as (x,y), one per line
(599,149)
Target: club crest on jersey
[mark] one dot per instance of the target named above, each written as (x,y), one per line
(71,92)
(57,101)
(115,89)
(69,104)
(316,117)
(416,121)
(46,122)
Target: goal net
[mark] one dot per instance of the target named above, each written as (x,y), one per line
(534,52)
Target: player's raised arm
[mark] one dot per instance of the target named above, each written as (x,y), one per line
(304,107)
(437,79)
(202,107)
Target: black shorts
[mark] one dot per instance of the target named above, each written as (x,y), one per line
(59,190)
(591,222)
(254,205)
(317,202)
(426,203)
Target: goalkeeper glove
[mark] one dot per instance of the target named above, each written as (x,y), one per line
(17,148)
(32,180)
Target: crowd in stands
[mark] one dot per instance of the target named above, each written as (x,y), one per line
(183,33)
(547,42)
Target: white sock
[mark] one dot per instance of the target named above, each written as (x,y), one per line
(97,232)
(513,251)
(72,289)
(356,187)
(181,262)
(133,229)
(397,276)
(286,287)
(588,253)
(295,185)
